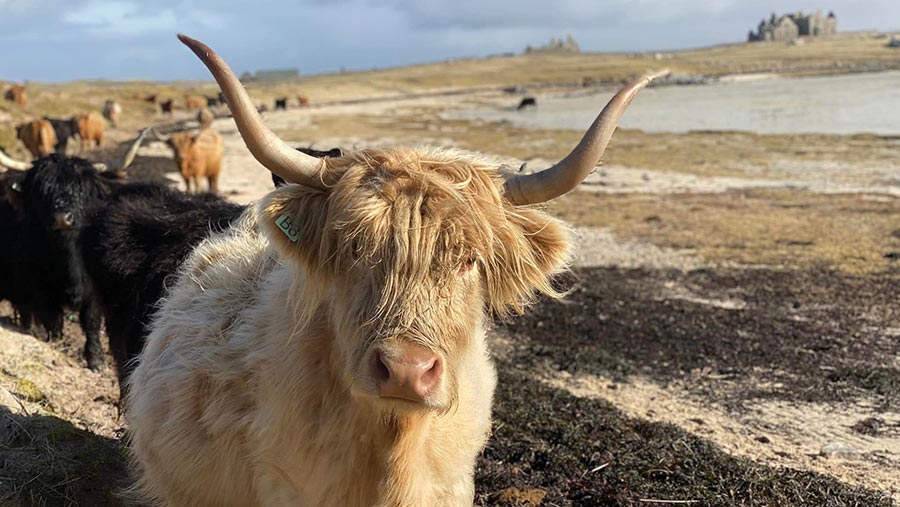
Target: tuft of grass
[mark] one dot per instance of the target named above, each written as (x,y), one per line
(29,391)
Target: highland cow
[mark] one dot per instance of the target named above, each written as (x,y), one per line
(329,348)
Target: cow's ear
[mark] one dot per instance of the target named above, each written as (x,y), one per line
(12,190)
(528,252)
(293,218)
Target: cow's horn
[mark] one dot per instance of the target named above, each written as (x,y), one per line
(7,161)
(129,155)
(161,137)
(572,170)
(266,147)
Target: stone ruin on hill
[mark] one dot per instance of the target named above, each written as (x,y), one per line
(556,46)
(790,26)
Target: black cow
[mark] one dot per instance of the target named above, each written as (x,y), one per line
(281,103)
(222,98)
(52,200)
(165,107)
(64,130)
(132,244)
(14,285)
(118,244)
(527,102)
(212,101)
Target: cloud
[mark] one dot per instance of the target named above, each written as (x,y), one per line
(120,19)
(51,36)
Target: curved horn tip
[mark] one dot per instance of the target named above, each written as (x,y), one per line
(199,48)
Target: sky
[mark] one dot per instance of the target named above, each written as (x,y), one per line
(61,40)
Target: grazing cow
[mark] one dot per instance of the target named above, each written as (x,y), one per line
(16,94)
(64,130)
(302,100)
(262,108)
(112,111)
(212,101)
(329,349)
(527,102)
(37,136)
(151,98)
(281,103)
(205,117)
(192,102)
(166,106)
(91,128)
(51,200)
(197,155)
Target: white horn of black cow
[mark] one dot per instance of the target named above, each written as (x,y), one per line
(266,147)
(129,155)
(7,161)
(572,170)
(160,137)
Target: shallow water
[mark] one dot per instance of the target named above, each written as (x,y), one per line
(845,104)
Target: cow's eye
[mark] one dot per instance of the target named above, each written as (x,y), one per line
(469,264)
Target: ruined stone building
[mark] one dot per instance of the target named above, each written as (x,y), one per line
(556,46)
(789,27)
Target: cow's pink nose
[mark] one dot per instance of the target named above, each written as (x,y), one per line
(410,375)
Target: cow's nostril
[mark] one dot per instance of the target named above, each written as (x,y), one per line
(381,370)
(432,373)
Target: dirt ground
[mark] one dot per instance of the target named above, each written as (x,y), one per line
(731,336)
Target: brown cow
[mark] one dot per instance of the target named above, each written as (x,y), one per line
(151,98)
(330,348)
(37,136)
(17,94)
(112,111)
(303,100)
(91,128)
(197,155)
(195,102)
(205,117)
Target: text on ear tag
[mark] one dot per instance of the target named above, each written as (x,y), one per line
(289,227)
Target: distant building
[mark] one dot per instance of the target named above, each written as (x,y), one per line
(271,75)
(556,46)
(789,27)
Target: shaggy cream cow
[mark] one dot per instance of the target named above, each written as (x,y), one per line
(329,350)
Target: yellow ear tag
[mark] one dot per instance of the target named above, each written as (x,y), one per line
(289,227)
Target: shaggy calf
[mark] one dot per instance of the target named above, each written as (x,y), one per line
(91,128)
(329,349)
(197,155)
